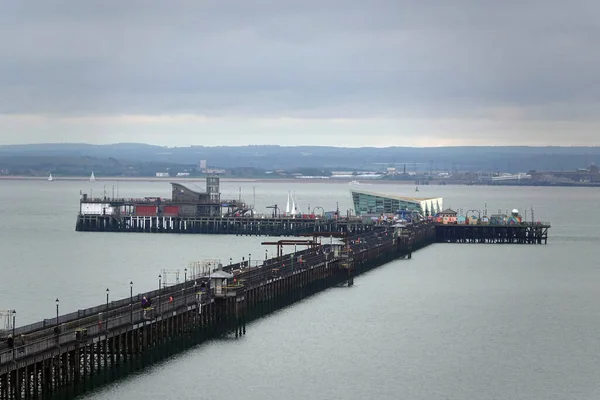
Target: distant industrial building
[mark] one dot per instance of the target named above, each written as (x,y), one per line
(582,175)
(379,203)
(511,177)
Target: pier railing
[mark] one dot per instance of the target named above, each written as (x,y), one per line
(52,332)
(523,224)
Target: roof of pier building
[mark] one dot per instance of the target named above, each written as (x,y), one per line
(220,274)
(448,212)
(366,202)
(183,194)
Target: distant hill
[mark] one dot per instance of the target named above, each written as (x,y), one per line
(506,159)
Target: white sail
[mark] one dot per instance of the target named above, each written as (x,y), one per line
(295,209)
(293,206)
(50,178)
(92,177)
(287,206)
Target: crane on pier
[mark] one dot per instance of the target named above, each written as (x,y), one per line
(275,208)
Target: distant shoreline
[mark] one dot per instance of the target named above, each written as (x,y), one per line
(184,179)
(361,182)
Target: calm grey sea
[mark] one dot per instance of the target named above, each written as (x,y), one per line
(455,322)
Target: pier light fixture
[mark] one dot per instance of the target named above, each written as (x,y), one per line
(266,254)
(56,315)
(131,299)
(230,261)
(249,258)
(107,292)
(14,315)
(159,281)
(185,275)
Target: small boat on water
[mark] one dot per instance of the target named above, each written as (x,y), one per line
(355,182)
(293,210)
(50,179)
(92,177)
(417,189)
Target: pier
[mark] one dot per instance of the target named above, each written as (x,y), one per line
(522,233)
(70,354)
(193,212)
(226,225)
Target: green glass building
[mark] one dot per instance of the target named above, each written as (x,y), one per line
(369,203)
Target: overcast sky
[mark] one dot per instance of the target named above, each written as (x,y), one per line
(311,72)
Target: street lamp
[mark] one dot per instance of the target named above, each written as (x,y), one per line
(107,291)
(185,275)
(230,261)
(131,299)
(159,284)
(57,316)
(249,257)
(14,314)
(266,254)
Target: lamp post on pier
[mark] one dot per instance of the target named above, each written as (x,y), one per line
(185,275)
(249,259)
(107,292)
(266,255)
(131,299)
(56,316)
(159,286)
(14,315)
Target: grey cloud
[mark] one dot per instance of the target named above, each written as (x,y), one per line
(312,58)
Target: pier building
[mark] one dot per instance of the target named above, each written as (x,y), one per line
(379,203)
(184,202)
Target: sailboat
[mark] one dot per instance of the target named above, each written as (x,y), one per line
(50,177)
(92,177)
(295,210)
(417,189)
(287,205)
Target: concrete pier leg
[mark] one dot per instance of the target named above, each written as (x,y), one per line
(85,371)
(36,381)
(28,380)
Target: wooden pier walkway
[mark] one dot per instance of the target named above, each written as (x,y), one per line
(523,233)
(245,225)
(73,353)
